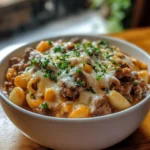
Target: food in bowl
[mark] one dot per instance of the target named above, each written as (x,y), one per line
(76,79)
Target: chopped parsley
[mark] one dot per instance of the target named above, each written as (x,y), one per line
(90,89)
(88,51)
(59,73)
(98,77)
(77,45)
(49,42)
(90,44)
(76,53)
(50,74)
(32,62)
(79,71)
(46,62)
(63,64)
(58,49)
(107,90)
(67,71)
(44,105)
(84,46)
(104,44)
(107,55)
(98,50)
(80,83)
(135,83)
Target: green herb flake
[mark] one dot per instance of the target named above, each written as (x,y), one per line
(107,90)
(32,61)
(46,62)
(76,53)
(46,75)
(111,49)
(63,64)
(67,71)
(80,83)
(77,45)
(44,105)
(84,46)
(90,45)
(79,71)
(104,44)
(49,42)
(58,49)
(107,55)
(99,76)
(135,83)
(91,90)
(59,73)
(90,53)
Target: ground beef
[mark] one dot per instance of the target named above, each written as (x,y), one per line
(127,87)
(14,61)
(70,46)
(41,111)
(139,91)
(102,107)
(123,72)
(27,54)
(8,86)
(81,78)
(71,93)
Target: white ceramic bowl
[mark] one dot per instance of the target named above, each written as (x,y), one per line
(79,134)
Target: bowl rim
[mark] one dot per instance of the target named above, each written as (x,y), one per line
(76,120)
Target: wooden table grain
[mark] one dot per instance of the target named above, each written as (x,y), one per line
(12,139)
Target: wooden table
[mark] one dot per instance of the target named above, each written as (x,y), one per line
(12,139)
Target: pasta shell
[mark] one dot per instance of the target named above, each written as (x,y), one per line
(30,83)
(144,75)
(33,103)
(79,111)
(118,101)
(17,96)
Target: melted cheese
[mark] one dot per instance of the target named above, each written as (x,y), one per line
(88,98)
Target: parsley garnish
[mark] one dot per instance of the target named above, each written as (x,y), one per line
(90,89)
(50,74)
(135,83)
(89,52)
(107,55)
(79,71)
(90,45)
(63,64)
(76,53)
(49,42)
(104,44)
(58,49)
(84,46)
(99,76)
(44,105)
(59,73)
(107,90)
(77,45)
(32,61)
(80,83)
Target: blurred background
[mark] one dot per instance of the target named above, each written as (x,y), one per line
(23,21)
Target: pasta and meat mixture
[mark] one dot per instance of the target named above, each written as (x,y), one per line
(76,79)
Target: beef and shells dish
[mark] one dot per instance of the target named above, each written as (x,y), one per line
(76,79)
